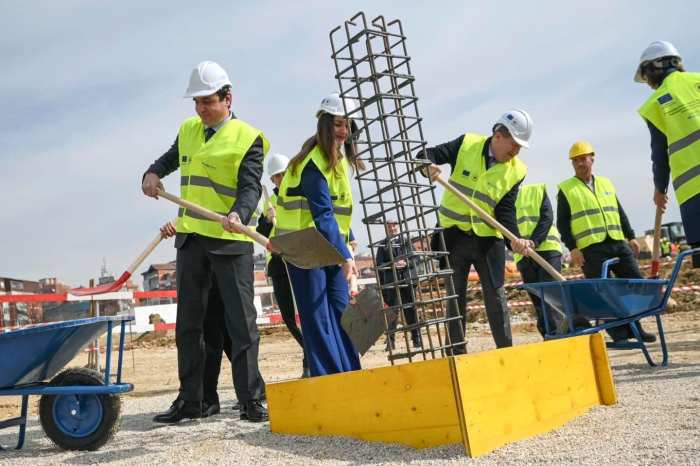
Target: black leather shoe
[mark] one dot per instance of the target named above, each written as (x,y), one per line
(646,336)
(390,344)
(179,410)
(210,409)
(236,406)
(253,411)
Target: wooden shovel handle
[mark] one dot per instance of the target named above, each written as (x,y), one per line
(211,215)
(495,224)
(146,252)
(656,250)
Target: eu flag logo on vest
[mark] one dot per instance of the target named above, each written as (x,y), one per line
(664,99)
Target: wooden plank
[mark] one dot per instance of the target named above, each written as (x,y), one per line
(606,385)
(514,393)
(412,404)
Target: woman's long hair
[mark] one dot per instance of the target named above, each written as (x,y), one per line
(656,71)
(325,139)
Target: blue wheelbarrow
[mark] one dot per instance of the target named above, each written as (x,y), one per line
(79,408)
(611,302)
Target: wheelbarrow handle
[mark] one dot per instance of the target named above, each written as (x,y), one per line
(495,224)
(211,215)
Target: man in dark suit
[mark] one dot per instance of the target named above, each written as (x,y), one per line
(395,266)
(221,160)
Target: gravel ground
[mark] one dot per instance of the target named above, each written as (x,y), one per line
(656,421)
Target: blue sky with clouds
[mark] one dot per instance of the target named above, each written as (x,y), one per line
(91,95)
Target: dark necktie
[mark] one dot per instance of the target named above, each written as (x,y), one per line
(208,133)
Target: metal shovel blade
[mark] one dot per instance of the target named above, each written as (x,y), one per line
(306,249)
(363,319)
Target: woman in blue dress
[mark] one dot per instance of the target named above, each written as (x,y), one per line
(316,192)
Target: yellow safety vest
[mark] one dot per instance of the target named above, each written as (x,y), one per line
(293,212)
(674,108)
(527,207)
(594,216)
(485,187)
(209,172)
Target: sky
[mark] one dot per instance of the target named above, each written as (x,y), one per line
(92,94)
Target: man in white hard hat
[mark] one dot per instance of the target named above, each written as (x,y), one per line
(594,226)
(672,114)
(276,165)
(221,161)
(487,169)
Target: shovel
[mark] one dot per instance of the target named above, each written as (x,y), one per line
(496,225)
(505,232)
(116,285)
(656,250)
(363,319)
(306,249)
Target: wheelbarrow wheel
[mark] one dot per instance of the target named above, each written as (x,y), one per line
(79,422)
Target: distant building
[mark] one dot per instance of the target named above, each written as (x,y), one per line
(19,313)
(52,285)
(365,265)
(160,277)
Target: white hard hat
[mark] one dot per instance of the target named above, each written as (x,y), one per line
(333,105)
(207,78)
(276,164)
(519,125)
(657,49)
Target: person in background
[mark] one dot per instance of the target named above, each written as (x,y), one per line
(672,116)
(594,226)
(395,253)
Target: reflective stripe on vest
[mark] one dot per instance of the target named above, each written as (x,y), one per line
(209,173)
(293,212)
(527,206)
(674,108)
(485,187)
(594,216)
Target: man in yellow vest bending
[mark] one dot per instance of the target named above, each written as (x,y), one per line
(594,226)
(487,169)
(221,162)
(672,114)
(536,222)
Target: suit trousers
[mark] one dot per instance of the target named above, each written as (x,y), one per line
(216,342)
(197,268)
(322,296)
(487,255)
(391,298)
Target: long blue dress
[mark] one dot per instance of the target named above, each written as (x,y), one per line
(322,294)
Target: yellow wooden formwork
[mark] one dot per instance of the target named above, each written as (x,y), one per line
(481,400)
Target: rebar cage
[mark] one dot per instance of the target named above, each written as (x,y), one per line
(373,71)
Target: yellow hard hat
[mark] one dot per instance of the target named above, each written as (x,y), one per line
(581,148)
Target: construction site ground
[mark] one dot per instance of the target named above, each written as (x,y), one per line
(656,420)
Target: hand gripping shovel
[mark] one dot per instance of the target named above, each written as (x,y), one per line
(306,249)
